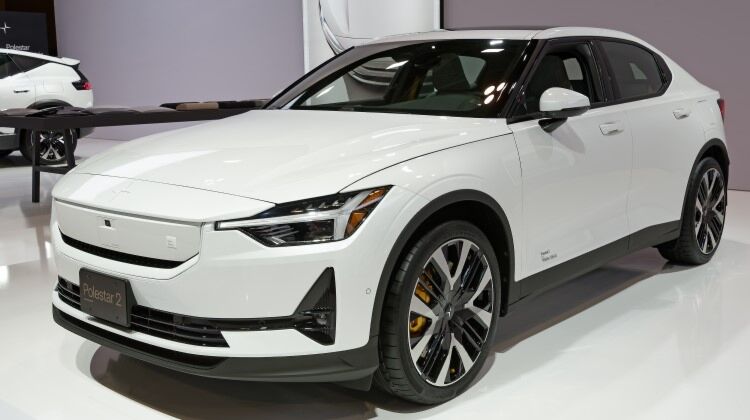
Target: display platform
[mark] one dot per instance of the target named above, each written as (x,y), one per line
(636,339)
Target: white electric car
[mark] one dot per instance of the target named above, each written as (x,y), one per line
(36,81)
(380,228)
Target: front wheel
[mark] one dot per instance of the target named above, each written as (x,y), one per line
(51,146)
(439,315)
(702,218)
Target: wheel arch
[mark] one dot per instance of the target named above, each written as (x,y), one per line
(470,205)
(47,103)
(717,149)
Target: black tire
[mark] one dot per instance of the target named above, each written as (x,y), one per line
(49,158)
(398,372)
(702,225)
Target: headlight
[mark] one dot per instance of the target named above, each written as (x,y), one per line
(323,219)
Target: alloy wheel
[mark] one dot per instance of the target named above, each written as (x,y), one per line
(52,145)
(451,312)
(710,210)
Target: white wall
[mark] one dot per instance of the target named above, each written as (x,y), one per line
(708,38)
(146,52)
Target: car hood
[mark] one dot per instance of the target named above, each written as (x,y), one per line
(285,155)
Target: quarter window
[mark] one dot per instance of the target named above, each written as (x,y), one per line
(635,70)
(28,63)
(7,67)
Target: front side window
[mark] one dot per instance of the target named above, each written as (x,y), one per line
(635,71)
(459,78)
(567,66)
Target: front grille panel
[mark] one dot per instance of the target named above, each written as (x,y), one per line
(315,318)
(70,293)
(172,327)
(119,256)
(157,323)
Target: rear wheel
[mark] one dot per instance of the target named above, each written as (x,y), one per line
(440,314)
(703,217)
(51,146)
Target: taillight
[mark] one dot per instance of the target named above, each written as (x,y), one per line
(722,108)
(83,85)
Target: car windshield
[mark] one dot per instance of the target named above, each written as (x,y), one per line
(466,78)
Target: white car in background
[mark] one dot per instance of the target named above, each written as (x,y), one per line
(380,228)
(36,81)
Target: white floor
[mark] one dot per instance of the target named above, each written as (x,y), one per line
(635,339)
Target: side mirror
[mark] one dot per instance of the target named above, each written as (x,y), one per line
(558,104)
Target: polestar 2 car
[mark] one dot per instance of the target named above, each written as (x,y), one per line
(37,81)
(375,222)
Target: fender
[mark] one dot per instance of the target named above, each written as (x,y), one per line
(406,237)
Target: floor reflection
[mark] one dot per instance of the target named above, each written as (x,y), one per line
(698,298)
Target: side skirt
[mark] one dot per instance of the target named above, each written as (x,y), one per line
(559,274)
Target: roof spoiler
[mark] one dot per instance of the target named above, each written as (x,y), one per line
(72,62)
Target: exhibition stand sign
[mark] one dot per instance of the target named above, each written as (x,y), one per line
(24,32)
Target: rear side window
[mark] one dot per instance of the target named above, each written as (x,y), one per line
(635,70)
(28,63)
(7,67)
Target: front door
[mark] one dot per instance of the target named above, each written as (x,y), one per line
(576,177)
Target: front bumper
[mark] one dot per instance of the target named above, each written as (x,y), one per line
(234,277)
(343,366)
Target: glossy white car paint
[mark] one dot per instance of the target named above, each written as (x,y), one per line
(605,174)
(49,82)
(558,99)
(275,165)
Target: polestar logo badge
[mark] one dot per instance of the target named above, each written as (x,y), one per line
(5,28)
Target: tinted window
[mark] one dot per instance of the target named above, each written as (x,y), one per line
(28,63)
(635,70)
(461,78)
(568,66)
(7,67)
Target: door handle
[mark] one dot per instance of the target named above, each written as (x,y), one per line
(21,90)
(609,129)
(681,113)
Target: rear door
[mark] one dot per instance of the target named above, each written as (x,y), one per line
(665,131)
(575,178)
(16,90)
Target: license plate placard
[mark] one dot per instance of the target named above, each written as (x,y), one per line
(104,297)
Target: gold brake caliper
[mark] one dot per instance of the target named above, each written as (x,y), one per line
(419,323)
